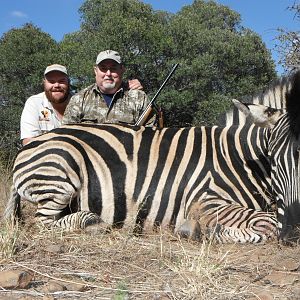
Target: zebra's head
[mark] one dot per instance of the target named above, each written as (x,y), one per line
(261,115)
(283,149)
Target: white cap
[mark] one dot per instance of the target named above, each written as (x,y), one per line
(108,54)
(56,67)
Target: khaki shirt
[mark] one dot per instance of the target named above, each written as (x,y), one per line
(88,105)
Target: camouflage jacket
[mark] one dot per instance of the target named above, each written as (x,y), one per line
(88,105)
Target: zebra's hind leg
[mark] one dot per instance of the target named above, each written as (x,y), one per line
(56,210)
(77,220)
(232,223)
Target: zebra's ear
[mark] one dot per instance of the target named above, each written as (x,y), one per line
(243,107)
(259,114)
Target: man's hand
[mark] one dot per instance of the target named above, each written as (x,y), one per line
(134,84)
(26,141)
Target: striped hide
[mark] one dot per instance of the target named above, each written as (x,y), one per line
(198,180)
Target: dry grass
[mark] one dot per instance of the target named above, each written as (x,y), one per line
(119,265)
(9,235)
(5,182)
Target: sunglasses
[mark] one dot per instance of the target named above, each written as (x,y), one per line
(113,69)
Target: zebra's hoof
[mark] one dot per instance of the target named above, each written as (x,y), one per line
(190,229)
(98,228)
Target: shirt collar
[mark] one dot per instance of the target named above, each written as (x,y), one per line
(120,90)
(47,103)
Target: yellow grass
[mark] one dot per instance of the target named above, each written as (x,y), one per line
(119,265)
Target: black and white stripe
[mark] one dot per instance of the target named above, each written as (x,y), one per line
(216,177)
(284,149)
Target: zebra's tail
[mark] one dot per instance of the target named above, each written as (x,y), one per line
(12,211)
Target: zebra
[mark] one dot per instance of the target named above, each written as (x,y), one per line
(240,183)
(196,180)
(273,98)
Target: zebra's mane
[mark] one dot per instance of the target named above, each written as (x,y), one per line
(274,96)
(293,105)
(276,86)
(274,93)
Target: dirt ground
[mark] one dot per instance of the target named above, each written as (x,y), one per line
(119,265)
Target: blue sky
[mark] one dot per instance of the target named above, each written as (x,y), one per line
(58,17)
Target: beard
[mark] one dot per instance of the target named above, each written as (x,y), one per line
(55,99)
(109,85)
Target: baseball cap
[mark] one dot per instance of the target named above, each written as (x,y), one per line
(56,67)
(108,54)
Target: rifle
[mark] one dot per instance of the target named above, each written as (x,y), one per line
(147,111)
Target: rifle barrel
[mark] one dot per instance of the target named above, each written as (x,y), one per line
(139,121)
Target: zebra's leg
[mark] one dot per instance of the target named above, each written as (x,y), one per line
(77,220)
(67,221)
(227,222)
(57,210)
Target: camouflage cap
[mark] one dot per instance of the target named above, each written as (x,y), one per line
(108,54)
(56,67)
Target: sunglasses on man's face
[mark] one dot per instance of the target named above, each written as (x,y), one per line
(113,68)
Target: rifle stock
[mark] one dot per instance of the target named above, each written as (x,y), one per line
(144,116)
(148,110)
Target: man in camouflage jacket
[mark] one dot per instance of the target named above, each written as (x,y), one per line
(109,100)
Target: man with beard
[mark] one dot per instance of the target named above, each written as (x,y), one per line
(109,100)
(44,111)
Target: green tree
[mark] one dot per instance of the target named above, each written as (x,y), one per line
(24,54)
(132,28)
(219,60)
(288,45)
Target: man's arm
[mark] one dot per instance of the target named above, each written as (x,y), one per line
(73,110)
(29,123)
